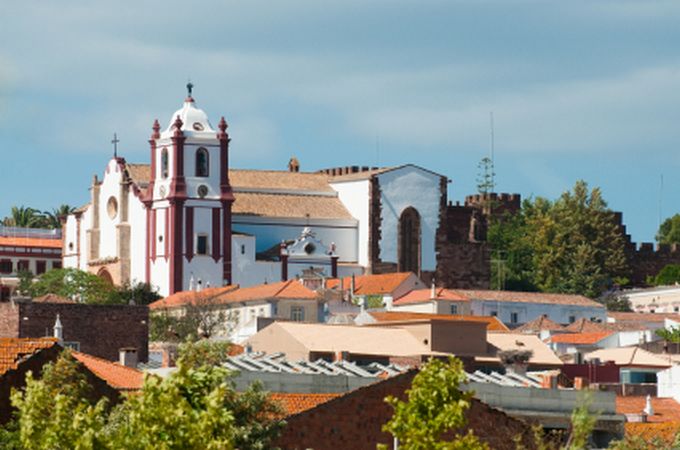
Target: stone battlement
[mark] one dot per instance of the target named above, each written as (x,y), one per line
(346,170)
(664,249)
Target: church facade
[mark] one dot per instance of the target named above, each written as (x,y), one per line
(188,219)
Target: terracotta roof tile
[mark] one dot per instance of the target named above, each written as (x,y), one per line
(492,323)
(15,350)
(642,317)
(294,403)
(140,174)
(584,325)
(579,338)
(372,284)
(289,205)
(665,409)
(30,242)
(630,356)
(538,324)
(425,295)
(279,179)
(528,297)
(664,431)
(291,289)
(117,376)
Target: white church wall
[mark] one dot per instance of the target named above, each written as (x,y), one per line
(70,252)
(161,238)
(109,216)
(271,231)
(406,187)
(355,196)
(160,183)
(84,248)
(245,270)
(137,221)
(212,182)
(159,276)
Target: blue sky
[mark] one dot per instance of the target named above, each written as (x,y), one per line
(579,90)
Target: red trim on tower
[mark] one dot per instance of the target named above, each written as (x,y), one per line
(178,188)
(176,254)
(166,237)
(216,234)
(226,242)
(189,233)
(153,236)
(147,249)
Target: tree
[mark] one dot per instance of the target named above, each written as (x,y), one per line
(435,408)
(669,231)
(23,217)
(485,176)
(25,282)
(52,219)
(669,275)
(671,334)
(138,293)
(196,319)
(73,283)
(614,301)
(572,245)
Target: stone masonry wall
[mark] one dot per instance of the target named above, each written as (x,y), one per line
(101,330)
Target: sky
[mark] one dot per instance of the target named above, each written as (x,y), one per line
(578,90)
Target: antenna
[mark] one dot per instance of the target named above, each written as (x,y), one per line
(660,200)
(493,173)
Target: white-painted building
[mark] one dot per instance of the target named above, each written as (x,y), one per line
(188,214)
(661,299)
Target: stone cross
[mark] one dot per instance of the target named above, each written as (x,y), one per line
(115,142)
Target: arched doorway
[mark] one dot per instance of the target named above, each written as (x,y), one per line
(105,275)
(409,241)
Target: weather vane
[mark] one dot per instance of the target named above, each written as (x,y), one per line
(190,87)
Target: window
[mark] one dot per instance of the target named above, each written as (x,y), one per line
(297,313)
(202,244)
(409,241)
(40,267)
(454,309)
(4,293)
(514,317)
(56,264)
(261,313)
(676,309)
(243,249)
(164,163)
(6,266)
(572,319)
(22,266)
(494,313)
(202,163)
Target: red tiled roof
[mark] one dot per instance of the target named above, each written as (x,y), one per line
(15,350)
(117,376)
(52,298)
(528,297)
(583,325)
(425,295)
(30,242)
(492,323)
(664,431)
(579,338)
(665,409)
(642,317)
(385,283)
(293,403)
(540,323)
(291,289)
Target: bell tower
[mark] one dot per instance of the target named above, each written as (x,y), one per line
(188,202)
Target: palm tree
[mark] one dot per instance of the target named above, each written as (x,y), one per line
(24,217)
(53,219)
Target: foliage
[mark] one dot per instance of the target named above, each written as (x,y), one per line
(435,407)
(582,423)
(197,319)
(25,282)
(27,217)
(571,245)
(56,412)
(669,231)
(203,353)
(138,293)
(667,276)
(374,301)
(671,334)
(614,301)
(485,176)
(193,408)
(512,252)
(73,283)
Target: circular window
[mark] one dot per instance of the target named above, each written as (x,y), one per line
(309,248)
(112,207)
(202,190)
(198,126)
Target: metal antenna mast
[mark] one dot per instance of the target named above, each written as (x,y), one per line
(493,172)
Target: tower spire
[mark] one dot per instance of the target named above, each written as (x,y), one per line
(190,88)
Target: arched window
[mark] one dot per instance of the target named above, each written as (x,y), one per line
(409,241)
(202,163)
(164,163)
(105,275)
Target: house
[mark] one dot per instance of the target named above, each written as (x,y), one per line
(98,330)
(375,290)
(517,308)
(574,345)
(636,364)
(627,332)
(370,317)
(26,249)
(541,326)
(238,309)
(354,420)
(433,301)
(18,356)
(660,299)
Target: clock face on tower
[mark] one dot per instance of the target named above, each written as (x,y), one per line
(202,190)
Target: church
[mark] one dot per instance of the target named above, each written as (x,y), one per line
(188,220)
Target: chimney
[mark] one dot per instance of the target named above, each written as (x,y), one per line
(58,330)
(192,283)
(648,406)
(128,357)
(433,292)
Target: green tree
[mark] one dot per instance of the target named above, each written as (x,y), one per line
(58,410)
(23,217)
(614,301)
(671,334)
(485,176)
(138,293)
(73,283)
(25,282)
(669,231)
(669,275)
(435,409)
(52,219)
